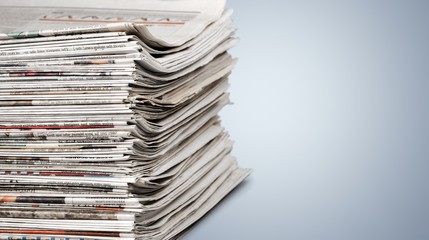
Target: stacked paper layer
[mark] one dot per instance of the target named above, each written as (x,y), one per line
(111,132)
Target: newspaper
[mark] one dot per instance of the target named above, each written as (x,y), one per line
(166,24)
(109,124)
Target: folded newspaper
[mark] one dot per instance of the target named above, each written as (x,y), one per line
(109,124)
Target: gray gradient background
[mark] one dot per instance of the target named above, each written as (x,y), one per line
(331,111)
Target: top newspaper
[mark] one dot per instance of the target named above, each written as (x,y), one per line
(177,22)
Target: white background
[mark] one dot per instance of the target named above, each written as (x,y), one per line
(331,111)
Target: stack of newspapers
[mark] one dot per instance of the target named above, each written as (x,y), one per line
(109,124)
